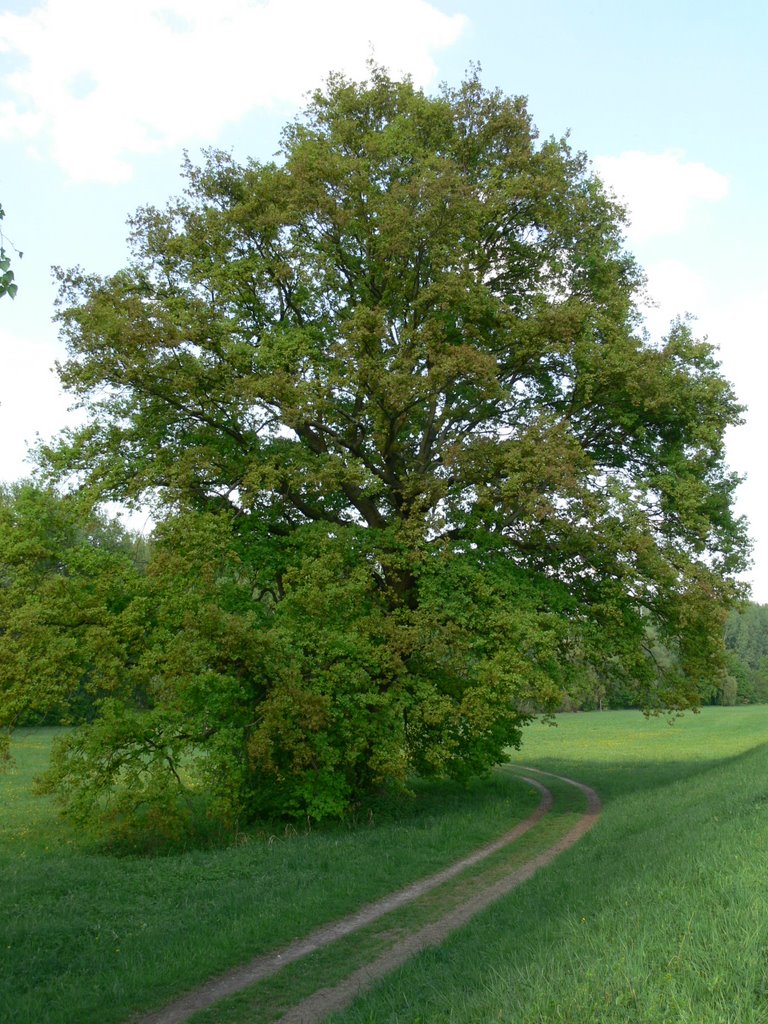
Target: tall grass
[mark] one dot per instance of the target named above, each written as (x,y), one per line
(86,936)
(659,916)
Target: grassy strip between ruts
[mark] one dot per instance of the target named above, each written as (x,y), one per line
(657,917)
(87,936)
(266,1001)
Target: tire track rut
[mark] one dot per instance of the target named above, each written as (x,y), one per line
(328,1000)
(318,1006)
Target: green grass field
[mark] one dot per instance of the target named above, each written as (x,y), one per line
(86,936)
(659,915)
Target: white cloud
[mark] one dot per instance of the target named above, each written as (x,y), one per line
(660,189)
(32,402)
(100,83)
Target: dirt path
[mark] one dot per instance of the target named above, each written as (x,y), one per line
(326,1001)
(318,1006)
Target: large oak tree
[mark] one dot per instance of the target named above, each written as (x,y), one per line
(397,381)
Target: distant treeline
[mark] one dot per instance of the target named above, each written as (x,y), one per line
(745,680)
(746,639)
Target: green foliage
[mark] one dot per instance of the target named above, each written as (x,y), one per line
(118,778)
(418,473)
(746,640)
(71,616)
(8,285)
(177,731)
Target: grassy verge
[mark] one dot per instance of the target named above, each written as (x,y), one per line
(86,936)
(657,917)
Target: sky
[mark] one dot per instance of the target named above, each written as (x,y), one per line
(98,102)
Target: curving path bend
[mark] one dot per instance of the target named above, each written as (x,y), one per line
(318,1006)
(329,1000)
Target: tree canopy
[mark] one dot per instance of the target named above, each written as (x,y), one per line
(418,470)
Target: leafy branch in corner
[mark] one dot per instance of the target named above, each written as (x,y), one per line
(8,285)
